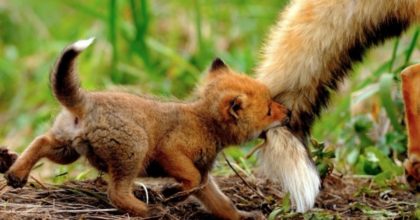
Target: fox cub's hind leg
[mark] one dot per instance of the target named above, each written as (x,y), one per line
(43,146)
(122,172)
(125,156)
(120,192)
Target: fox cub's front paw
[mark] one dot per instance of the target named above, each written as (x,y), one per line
(15,181)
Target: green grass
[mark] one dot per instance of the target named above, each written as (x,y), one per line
(158,47)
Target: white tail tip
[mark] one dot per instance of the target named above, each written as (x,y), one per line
(284,160)
(82,44)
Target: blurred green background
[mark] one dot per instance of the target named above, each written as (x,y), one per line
(163,47)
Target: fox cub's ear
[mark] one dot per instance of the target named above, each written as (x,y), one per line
(218,66)
(231,106)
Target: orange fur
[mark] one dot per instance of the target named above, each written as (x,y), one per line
(411,93)
(130,136)
(308,53)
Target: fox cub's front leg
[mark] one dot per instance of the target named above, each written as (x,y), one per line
(180,167)
(220,205)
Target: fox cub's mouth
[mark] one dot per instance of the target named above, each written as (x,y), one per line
(263,134)
(284,122)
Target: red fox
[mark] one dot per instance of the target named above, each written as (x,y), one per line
(411,93)
(130,136)
(308,53)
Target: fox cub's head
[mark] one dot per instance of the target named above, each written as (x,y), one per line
(241,105)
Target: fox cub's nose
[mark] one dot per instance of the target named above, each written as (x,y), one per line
(281,113)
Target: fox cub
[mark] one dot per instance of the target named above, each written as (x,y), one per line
(127,136)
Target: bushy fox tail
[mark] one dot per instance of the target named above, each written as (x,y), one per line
(64,81)
(308,53)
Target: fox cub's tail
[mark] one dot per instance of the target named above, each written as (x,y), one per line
(64,81)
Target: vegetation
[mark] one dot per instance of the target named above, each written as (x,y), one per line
(163,47)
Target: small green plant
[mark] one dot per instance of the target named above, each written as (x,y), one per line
(323,157)
(372,142)
(283,210)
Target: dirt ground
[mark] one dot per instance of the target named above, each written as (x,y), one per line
(341,197)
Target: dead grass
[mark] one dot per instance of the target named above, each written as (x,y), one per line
(342,197)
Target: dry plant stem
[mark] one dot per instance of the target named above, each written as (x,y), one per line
(341,196)
(87,192)
(38,181)
(253,150)
(85,210)
(183,194)
(242,179)
(3,189)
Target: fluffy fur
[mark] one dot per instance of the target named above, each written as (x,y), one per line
(308,53)
(281,143)
(411,93)
(130,136)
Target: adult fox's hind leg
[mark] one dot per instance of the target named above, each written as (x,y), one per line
(43,146)
(411,93)
(125,157)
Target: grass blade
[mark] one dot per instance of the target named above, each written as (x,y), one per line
(394,54)
(411,46)
(385,88)
(141,23)
(375,75)
(198,28)
(85,9)
(174,56)
(112,24)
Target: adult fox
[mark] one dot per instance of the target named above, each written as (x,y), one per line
(308,52)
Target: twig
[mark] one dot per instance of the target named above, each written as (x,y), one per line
(240,177)
(4,188)
(145,191)
(85,210)
(253,150)
(184,193)
(86,192)
(102,217)
(38,181)
(18,205)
